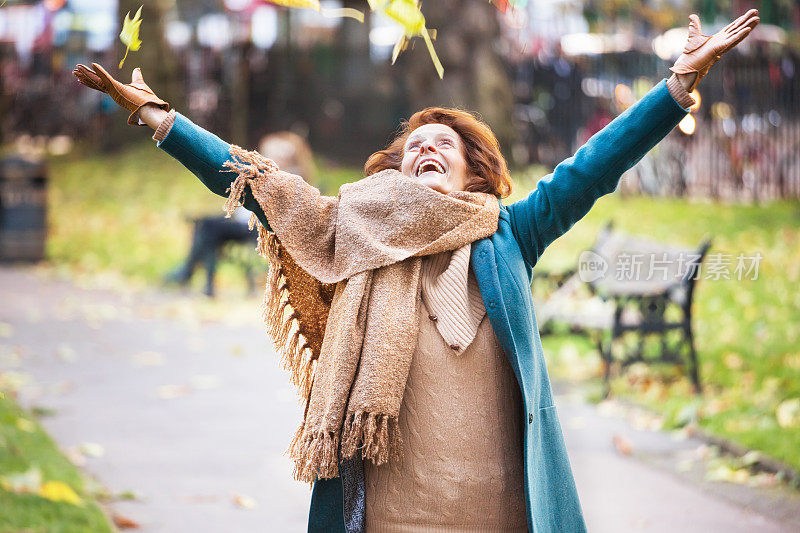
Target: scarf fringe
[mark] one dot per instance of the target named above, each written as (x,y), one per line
(249,166)
(377,435)
(315,455)
(281,321)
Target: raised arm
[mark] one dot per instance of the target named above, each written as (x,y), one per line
(200,151)
(565,196)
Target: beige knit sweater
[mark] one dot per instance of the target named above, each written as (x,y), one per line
(461,418)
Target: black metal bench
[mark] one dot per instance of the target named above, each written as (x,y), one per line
(631,296)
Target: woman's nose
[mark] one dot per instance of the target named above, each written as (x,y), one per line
(427,146)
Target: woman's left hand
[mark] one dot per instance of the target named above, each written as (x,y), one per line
(702,51)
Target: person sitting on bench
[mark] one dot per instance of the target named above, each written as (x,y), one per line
(211,233)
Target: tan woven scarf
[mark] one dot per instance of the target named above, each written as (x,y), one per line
(342,295)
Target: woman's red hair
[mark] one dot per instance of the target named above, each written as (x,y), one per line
(487,166)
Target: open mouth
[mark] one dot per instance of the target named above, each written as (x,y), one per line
(430,165)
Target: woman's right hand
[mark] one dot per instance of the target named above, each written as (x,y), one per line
(133,96)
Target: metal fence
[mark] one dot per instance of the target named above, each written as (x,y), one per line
(745,144)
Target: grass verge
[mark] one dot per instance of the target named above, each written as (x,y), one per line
(38,485)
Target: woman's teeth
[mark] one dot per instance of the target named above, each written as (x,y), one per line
(430,166)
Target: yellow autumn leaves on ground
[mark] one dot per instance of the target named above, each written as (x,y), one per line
(31,482)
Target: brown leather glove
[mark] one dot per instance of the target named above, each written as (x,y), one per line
(131,96)
(702,51)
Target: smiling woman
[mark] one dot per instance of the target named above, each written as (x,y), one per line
(403,311)
(450,137)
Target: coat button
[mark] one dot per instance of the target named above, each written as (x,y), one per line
(433,317)
(492,304)
(530,418)
(455,347)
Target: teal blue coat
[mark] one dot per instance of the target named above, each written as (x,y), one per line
(503,265)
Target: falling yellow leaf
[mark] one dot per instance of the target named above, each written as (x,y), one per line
(315,5)
(130,33)
(58,491)
(408,15)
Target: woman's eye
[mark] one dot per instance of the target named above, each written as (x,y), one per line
(446,142)
(412,147)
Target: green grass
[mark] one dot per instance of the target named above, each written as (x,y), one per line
(24,445)
(126,213)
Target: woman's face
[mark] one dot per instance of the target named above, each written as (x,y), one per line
(434,155)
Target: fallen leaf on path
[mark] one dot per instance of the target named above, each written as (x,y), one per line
(6,330)
(66,353)
(243,501)
(169,392)
(608,408)
(728,474)
(622,444)
(123,522)
(92,449)
(127,495)
(75,456)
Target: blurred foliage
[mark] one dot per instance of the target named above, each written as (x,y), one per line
(38,485)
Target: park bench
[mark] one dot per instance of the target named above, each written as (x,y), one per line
(632,297)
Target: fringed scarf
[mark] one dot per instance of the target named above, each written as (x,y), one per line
(342,295)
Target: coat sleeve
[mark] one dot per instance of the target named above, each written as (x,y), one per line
(204,154)
(562,198)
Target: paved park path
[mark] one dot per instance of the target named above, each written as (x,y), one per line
(192,413)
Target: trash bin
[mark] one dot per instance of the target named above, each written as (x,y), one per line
(23,209)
